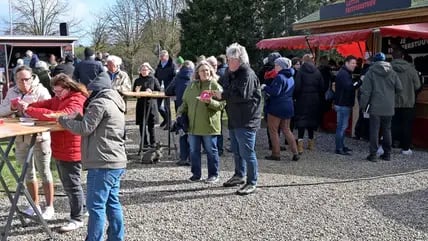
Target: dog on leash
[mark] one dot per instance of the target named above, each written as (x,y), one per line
(152,156)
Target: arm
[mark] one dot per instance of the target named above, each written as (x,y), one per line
(170,89)
(38,109)
(184,106)
(126,83)
(5,106)
(366,91)
(157,85)
(90,121)
(275,88)
(76,74)
(416,81)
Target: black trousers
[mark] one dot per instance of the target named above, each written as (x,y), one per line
(150,129)
(402,126)
(382,123)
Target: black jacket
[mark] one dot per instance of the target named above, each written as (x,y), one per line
(165,74)
(67,68)
(309,94)
(345,89)
(179,84)
(243,99)
(87,70)
(148,82)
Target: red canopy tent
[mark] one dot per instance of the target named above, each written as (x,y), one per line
(413,31)
(348,42)
(292,42)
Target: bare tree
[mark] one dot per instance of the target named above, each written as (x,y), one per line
(41,17)
(99,34)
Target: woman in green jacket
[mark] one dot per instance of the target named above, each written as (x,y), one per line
(204,114)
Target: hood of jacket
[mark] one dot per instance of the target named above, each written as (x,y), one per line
(400,65)
(114,96)
(382,68)
(308,68)
(185,73)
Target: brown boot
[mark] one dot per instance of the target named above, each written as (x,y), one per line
(300,146)
(311,144)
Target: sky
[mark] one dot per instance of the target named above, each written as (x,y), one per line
(81,9)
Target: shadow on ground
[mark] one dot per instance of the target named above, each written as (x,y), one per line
(408,208)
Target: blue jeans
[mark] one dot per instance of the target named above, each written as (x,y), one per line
(103,199)
(210,146)
(184,148)
(243,143)
(343,113)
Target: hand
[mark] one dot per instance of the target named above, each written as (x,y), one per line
(137,88)
(217,94)
(207,101)
(22,106)
(262,86)
(149,90)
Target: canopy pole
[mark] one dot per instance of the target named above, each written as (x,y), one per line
(361,50)
(309,45)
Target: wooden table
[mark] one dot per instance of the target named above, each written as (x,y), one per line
(152,95)
(11,128)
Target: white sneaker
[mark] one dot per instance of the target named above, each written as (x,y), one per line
(30,211)
(408,152)
(72,225)
(49,213)
(380,151)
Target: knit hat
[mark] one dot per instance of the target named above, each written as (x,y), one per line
(379,57)
(284,63)
(101,82)
(273,56)
(180,60)
(89,52)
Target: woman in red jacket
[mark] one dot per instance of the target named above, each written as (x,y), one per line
(70,97)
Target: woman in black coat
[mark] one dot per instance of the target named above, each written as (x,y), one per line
(146,82)
(309,95)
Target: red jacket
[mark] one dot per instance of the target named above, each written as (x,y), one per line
(65,145)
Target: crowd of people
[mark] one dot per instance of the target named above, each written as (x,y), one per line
(291,93)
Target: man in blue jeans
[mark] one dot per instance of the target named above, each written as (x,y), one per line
(344,100)
(243,107)
(103,153)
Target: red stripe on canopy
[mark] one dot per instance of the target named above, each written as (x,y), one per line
(292,42)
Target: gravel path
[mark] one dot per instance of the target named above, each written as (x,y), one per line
(321,197)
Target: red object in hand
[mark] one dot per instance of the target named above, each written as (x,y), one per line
(15,102)
(206,95)
(1,121)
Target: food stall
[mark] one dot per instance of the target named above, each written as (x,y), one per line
(365,26)
(14,47)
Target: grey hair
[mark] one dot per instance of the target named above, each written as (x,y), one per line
(20,62)
(189,64)
(146,64)
(42,65)
(238,51)
(212,60)
(114,59)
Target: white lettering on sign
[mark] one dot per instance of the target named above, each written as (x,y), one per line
(415,44)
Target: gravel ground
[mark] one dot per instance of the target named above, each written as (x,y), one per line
(321,197)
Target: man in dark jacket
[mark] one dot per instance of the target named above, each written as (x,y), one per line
(88,69)
(243,102)
(66,68)
(165,72)
(381,84)
(344,101)
(176,88)
(402,122)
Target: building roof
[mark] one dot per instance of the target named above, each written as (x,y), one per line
(37,38)
(315,16)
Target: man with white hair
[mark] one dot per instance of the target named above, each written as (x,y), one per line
(33,58)
(120,79)
(243,107)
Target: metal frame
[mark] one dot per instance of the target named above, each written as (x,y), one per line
(20,189)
